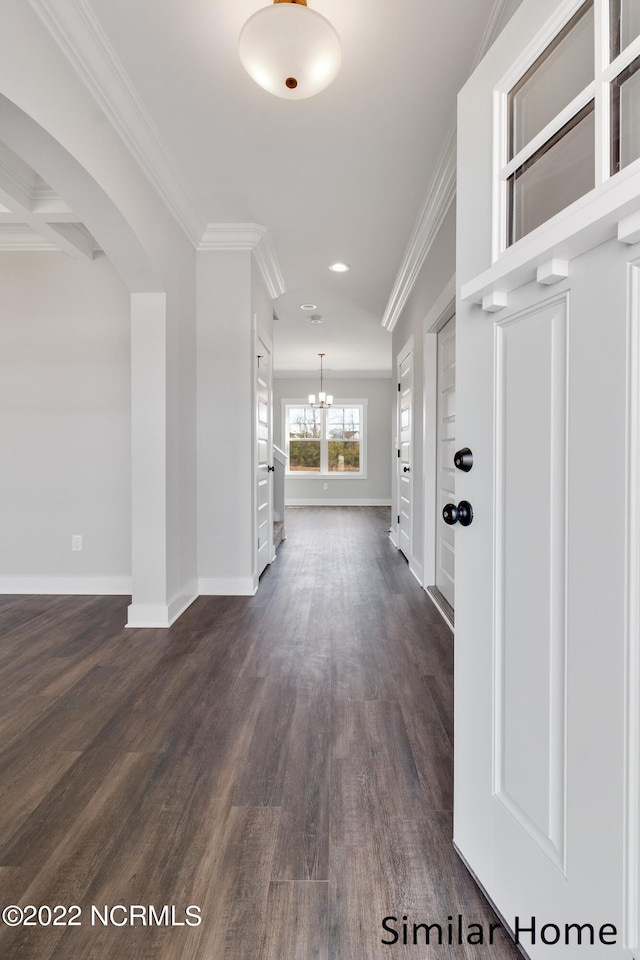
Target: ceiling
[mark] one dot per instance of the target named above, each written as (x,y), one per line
(340,176)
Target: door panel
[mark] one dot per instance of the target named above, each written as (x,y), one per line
(264,493)
(541,722)
(530,639)
(446,447)
(405,482)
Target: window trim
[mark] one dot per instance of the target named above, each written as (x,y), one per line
(611,209)
(288,402)
(606,71)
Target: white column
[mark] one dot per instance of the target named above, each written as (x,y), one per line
(149,606)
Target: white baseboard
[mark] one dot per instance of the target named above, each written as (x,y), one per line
(147,615)
(416,569)
(228,586)
(180,603)
(441,610)
(72,586)
(344,502)
(158,615)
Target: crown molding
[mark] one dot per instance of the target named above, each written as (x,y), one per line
(333,374)
(434,209)
(440,196)
(77,32)
(18,238)
(247,236)
(494,26)
(232,236)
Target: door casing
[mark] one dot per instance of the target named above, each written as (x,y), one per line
(404,450)
(442,311)
(263,414)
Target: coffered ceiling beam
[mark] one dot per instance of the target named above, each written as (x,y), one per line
(69,237)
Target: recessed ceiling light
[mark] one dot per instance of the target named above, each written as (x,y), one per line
(339,267)
(308,306)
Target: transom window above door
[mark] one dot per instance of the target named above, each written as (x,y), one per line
(326,442)
(568,115)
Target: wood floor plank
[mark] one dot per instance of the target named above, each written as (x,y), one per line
(13,883)
(25,785)
(35,841)
(431,746)
(71,864)
(281,761)
(236,904)
(261,782)
(359,900)
(376,778)
(302,849)
(296,923)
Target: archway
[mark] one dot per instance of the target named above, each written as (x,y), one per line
(155,599)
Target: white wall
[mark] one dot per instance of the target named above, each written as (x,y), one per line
(231,301)
(65,413)
(376,488)
(69,141)
(436,271)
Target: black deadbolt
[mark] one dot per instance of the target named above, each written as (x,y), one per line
(462,514)
(463,459)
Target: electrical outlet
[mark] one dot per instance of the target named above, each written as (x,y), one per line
(325,486)
(76,541)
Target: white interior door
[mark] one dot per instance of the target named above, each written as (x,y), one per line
(404,461)
(546,785)
(446,481)
(264,455)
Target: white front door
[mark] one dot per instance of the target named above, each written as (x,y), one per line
(546,785)
(404,463)
(446,437)
(264,454)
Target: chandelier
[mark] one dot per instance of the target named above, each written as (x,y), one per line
(290,50)
(324,399)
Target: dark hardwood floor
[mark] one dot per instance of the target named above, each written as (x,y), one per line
(282,762)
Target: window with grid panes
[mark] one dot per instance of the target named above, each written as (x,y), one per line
(325,442)
(579,100)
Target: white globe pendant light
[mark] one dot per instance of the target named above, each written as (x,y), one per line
(290,50)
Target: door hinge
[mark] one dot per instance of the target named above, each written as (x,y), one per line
(398,453)
(399,388)
(398,518)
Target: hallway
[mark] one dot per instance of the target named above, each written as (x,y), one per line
(282,762)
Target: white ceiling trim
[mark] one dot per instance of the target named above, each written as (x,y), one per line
(72,238)
(333,374)
(439,197)
(493,27)
(17,240)
(248,236)
(69,237)
(425,231)
(75,29)
(16,179)
(29,191)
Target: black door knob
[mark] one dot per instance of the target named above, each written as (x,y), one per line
(406,469)
(271,469)
(463,459)
(462,514)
